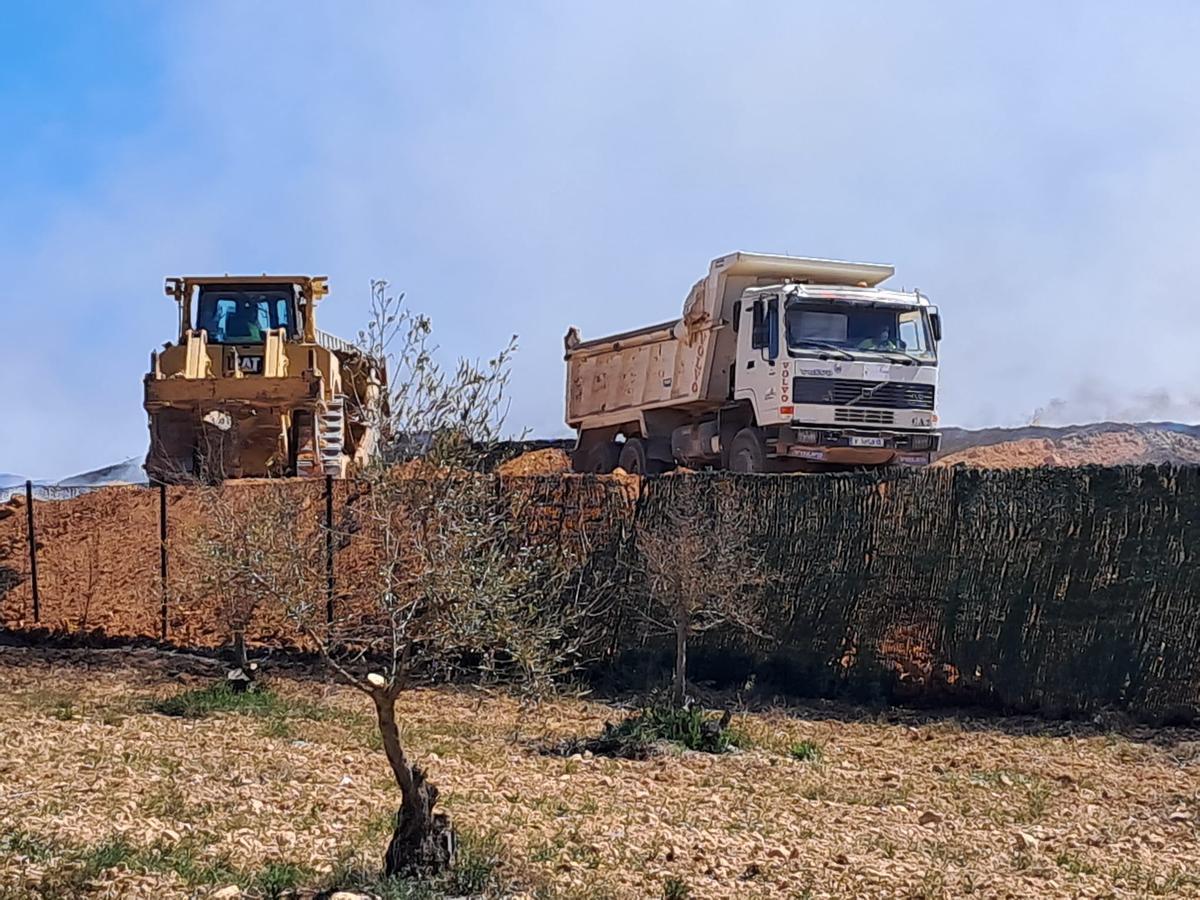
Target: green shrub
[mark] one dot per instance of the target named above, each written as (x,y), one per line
(277,879)
(637,736)
(806,751)
(216,698)
(220,698)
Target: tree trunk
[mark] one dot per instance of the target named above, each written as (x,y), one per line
(240,678)
(239,650)
(423,842)
(679,683)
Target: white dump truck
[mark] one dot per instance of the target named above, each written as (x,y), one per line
(778,364)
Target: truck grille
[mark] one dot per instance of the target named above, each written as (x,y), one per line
(865,416)
(877,394)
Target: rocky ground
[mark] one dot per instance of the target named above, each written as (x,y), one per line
(102,796)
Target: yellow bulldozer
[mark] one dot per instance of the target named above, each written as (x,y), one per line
(253,389)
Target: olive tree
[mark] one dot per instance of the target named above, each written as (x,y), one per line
(697,552)
(448,580)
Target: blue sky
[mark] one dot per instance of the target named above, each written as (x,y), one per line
(521,167)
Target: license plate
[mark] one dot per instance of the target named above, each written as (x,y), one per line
(866,442)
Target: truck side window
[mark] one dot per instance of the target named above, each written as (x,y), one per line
(759,336)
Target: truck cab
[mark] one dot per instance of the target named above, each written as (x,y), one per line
(844,375)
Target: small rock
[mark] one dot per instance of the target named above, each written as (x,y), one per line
(348,895)
(1180,815)
(1026,841)
(842,859)
(346,780)
(776,853)
(1005,780)
(929,817)
(229,892)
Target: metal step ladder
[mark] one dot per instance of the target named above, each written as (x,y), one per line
(331,431)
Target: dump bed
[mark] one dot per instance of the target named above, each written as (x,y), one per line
(685,363)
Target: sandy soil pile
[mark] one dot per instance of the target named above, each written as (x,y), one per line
(907,807)
(550,461)
(1137,445)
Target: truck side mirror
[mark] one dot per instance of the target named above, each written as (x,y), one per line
(773,328)
(935,322)
(759,336)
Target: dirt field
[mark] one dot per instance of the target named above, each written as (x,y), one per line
(101,796)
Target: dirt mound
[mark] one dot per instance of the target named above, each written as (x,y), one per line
(1132,445)
(98,553)
(551,461)
(1007,455)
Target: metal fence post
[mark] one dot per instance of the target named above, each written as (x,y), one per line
(162,556)
(31,531)
(329,586)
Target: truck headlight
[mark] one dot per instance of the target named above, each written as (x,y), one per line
(806,436)
(920,442)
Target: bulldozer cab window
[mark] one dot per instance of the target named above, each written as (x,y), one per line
(243,317)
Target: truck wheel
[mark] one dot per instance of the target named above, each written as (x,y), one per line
(747,453)
(598,459)
(635,459)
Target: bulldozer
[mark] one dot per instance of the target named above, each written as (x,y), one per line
(252,389)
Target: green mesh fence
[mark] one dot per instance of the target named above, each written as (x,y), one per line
(1060,590)
(1053,589)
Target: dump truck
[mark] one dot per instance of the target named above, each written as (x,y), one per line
(778,364)
(251,387)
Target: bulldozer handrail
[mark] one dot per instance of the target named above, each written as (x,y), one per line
(335,343)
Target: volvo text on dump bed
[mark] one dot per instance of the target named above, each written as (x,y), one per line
(779,363)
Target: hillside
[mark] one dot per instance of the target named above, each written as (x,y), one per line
(1102,444)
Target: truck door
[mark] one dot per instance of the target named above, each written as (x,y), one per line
(757,365)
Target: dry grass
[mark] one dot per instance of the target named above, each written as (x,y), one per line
(102,796)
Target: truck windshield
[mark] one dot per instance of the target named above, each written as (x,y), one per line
(243,316)
(812,324)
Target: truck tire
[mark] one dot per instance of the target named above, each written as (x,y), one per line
(748,453)
(599,459)
(635,459)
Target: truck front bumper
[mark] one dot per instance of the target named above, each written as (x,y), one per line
(860,446)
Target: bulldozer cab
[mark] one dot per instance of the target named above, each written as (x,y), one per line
(241,309)
(242,314)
